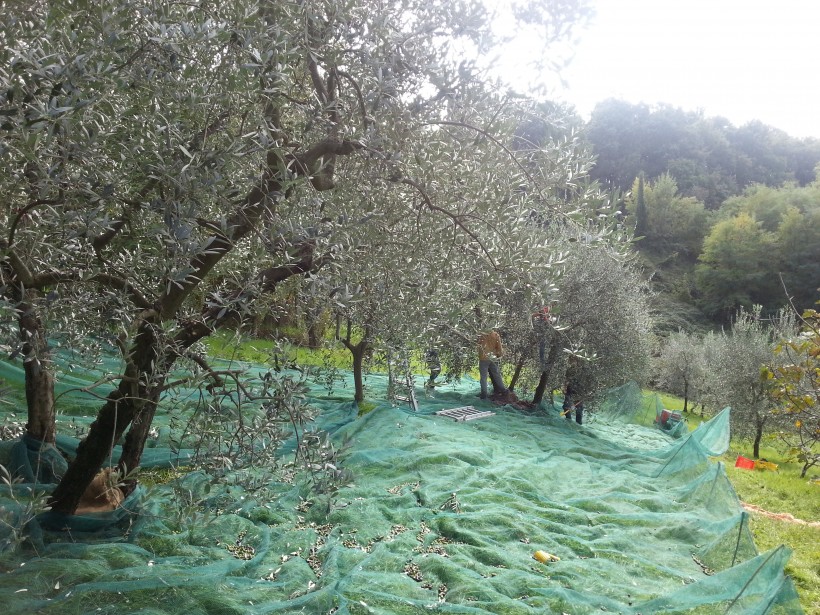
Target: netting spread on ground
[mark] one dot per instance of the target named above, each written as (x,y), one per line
(442,516)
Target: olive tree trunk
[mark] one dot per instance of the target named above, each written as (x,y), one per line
(540,389)
(136,396)
(39,379)
(359,352)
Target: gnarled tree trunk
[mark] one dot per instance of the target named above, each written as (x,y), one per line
(39,379)
(359,351)
(136,396)
(758,437)
(555,348)
(134,402)
(516,374)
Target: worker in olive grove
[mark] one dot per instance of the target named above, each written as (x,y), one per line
(489,350)
(573,393)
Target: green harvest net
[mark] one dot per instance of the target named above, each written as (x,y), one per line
(442,516)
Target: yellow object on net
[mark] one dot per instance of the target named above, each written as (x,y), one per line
(545,558)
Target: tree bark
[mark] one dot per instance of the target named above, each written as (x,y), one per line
(358,376)
(315,329)
(39,379)
(136,395)
(358,351)
(92,452)
(758,437)
(538,396)
(516,374)
(136,437)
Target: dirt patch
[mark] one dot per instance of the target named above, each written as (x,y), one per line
(102,495)
(508,398)
(788,518)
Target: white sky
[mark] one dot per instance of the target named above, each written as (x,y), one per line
(740,59)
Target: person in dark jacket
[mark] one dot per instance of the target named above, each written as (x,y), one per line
(573,395)
(434,365)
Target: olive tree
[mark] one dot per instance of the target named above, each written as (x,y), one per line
(794,385)
(680,366)
(734,370)
(600,314)
(165,164)
(411,282)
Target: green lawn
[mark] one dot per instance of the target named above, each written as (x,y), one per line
(783,491)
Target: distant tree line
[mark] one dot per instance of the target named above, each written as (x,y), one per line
(726,218)
(710,159)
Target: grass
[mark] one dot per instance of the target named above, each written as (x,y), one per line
(783,491)
(780,491)
(263,351)
(804,564)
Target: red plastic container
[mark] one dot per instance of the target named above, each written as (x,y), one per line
(745,464)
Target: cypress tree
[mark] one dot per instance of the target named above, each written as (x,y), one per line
(641,218)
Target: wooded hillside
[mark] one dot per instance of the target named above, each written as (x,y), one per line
(727,216)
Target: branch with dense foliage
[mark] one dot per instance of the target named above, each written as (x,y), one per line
(162,184)
(794,385)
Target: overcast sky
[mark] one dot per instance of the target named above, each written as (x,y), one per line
(740,59)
